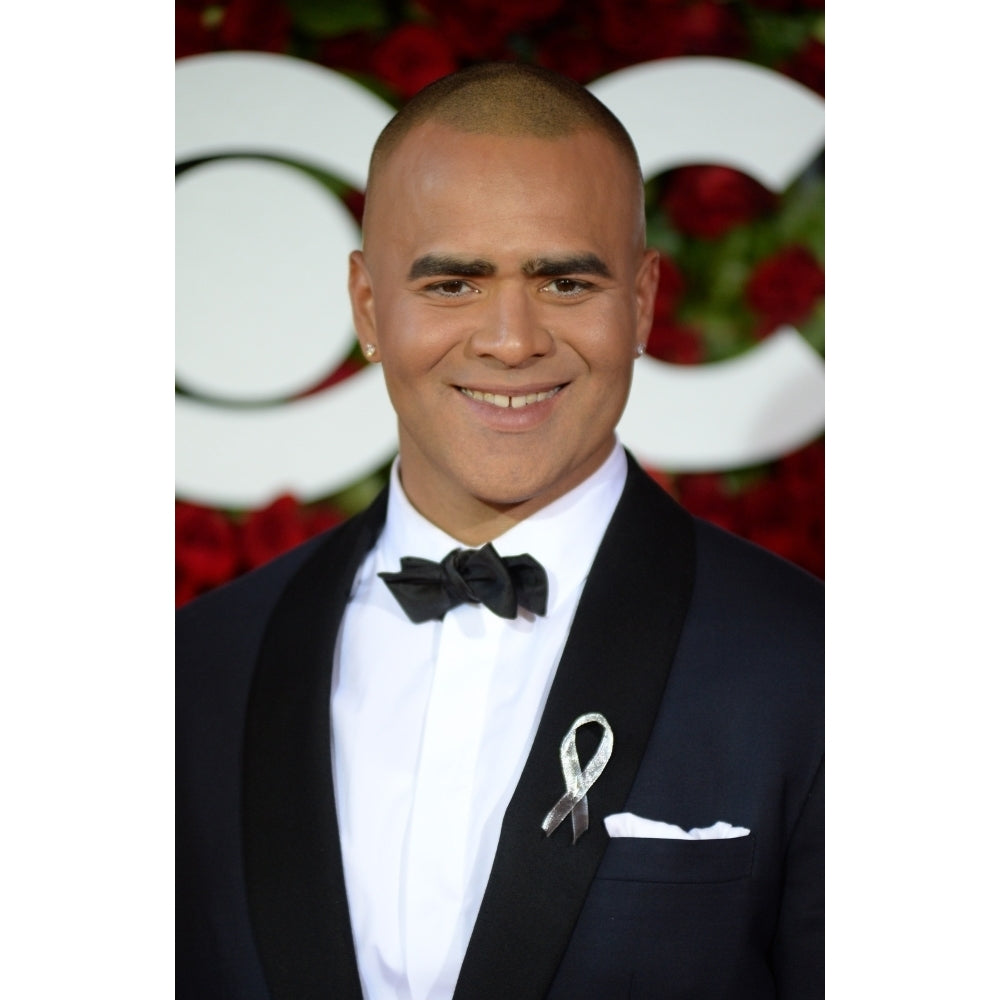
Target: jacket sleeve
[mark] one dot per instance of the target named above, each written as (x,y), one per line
(797,952)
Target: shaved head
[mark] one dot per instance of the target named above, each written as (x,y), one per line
(505,99)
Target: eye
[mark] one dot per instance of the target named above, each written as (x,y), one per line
(567,287)
(452,289)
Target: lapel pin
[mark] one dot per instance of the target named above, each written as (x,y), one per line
(578,781)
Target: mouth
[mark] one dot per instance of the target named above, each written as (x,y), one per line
(504,402)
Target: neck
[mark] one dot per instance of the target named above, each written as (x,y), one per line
(474,520)
(476,523)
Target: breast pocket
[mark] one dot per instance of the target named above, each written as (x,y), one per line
(642,859)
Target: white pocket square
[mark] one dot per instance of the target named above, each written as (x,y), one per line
(630,825)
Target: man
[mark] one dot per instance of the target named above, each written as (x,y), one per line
(486,786)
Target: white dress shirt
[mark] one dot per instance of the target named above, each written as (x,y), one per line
(432,724)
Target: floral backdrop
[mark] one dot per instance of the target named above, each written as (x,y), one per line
(737,260)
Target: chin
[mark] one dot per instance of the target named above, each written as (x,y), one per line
(503,499)
(511,490)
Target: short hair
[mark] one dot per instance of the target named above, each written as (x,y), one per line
(509,99)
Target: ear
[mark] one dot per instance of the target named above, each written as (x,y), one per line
(646,282)
(359,287)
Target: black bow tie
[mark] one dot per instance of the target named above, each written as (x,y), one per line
(426,589)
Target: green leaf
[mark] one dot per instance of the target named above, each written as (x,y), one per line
(663,236)
(322,18)
(802,216)
(738,481)
(774,36)
(813,329)
(359,496)
(721,334)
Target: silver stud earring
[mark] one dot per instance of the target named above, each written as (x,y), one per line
(369,350)
(640,350)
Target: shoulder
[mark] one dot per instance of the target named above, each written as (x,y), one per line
(750,611)
(240,608)
(752,578)
(218,635)
(727,570)
(216,644)
(755,631)
(238,605)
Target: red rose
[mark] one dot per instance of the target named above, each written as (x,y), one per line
(639,29)
(519,13)
(675,342)
(281,526)
(808,66)
(479,39)
(668,339)
(576,51)
(808,462)
(670,290)
(792,541)
(790,6)
(320,519)
(784,288)
(274,529)
(765,504)
(803,476)
(349,53)
(781,539)
(260,25)
(782,512)
(480,29)
(184,588)
(206,550)
(707,201)
(785,512)
(413,56)
(707,28)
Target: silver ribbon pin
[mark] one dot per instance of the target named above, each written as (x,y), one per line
(574,802)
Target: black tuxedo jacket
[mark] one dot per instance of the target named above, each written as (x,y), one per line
(705,655)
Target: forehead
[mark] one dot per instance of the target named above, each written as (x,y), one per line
(443,184)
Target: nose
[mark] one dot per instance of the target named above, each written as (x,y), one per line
(510,329)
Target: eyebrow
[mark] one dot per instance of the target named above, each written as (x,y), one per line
(554,267)
(434,265)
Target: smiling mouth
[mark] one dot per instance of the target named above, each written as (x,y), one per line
(513,402)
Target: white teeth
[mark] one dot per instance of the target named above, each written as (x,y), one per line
(514,402)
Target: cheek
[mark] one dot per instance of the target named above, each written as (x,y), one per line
(414,338)
(605,341)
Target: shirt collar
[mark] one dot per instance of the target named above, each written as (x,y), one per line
(563,537)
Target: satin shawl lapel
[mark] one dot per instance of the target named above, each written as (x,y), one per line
(295,881)
(616,662)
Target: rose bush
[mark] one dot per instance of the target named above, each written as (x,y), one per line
(708,201)
(808,65)
(784,288)
(205,550)
(280,526)
(411,57)
(212,547)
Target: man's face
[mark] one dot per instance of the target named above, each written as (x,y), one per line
(503,270)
